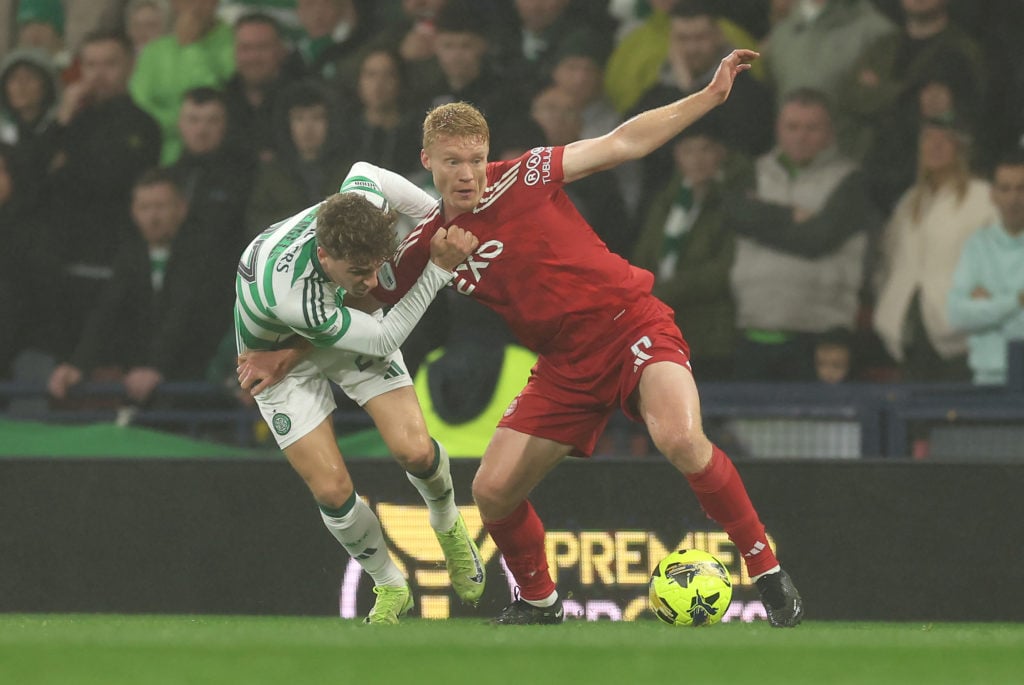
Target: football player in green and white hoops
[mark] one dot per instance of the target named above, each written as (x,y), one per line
(298,286)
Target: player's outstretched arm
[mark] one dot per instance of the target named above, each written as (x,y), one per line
(649,130)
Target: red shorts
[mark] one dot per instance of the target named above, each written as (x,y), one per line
(570,403)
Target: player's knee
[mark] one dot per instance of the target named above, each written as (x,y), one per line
(490,498)
(416,456)
(332,492)
(685,447)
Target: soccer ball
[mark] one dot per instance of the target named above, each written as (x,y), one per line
(690,588)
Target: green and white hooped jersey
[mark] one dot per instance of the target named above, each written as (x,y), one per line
(281,289)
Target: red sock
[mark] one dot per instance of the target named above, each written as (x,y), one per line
(724,498)
(520,537)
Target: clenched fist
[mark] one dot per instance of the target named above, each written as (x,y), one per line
(449,247)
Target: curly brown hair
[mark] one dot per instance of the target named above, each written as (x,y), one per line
(455,119)
(348,226)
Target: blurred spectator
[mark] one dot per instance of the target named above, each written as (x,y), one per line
(379,127)
(529,46)
(597,197)
(579,71)
(334,31)
(1000,35)
(263,68)
(26,286)
(800,246)
(833,356)
(987,296)
(886,79)
(162,313)
(819,44)
(214,180)
(640,59)
(413,35)
(105,141)
(41,27)
(28,108)
(696,47)
(462,45)
(891,162)
(690,250)
(309,165)
(200,52)
(284,12)
(145,21)
(83,17)
(919,252)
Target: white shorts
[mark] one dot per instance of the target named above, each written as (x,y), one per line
(300,402)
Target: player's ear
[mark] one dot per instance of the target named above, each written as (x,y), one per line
(425,159)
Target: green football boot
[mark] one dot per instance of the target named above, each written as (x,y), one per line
(462,559)
(392,603)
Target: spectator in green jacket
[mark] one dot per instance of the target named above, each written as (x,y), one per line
(199,52)
(686,244)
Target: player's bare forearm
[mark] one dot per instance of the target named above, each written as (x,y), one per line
(647,131)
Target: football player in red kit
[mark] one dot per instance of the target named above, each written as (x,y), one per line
(604,341)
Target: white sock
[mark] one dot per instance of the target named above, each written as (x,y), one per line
(773,569)
(546,602)
(359,532)
(437,491)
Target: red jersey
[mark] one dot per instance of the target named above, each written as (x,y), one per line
(539,264)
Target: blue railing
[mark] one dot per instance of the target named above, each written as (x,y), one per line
(751,419)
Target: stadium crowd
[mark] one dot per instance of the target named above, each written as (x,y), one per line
(809,228)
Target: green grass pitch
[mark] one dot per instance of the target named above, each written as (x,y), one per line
(115,649)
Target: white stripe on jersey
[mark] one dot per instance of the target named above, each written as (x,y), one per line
(498,189)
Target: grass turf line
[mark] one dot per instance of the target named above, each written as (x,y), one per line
(114,649)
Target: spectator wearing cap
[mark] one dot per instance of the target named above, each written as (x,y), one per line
(919,252)
(199,52)
(41,25)
(800,246)
(689,248)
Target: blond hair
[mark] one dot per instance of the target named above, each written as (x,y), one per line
(348,226)
(928,182)
(455,120)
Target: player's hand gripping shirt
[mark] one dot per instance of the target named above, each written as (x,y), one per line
(539,264)
(281,289)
